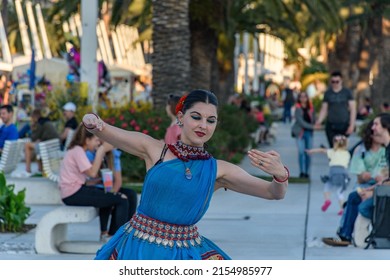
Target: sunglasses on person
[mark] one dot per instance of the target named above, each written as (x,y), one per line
(335,81)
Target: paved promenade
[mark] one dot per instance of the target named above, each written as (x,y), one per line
(247,228)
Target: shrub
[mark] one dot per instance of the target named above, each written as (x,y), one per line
(59,95)
(13,211)
(232,135)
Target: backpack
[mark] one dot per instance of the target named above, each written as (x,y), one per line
(379,237)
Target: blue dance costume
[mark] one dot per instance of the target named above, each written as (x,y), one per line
(163,227)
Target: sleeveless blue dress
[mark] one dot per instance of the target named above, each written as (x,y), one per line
(163,227)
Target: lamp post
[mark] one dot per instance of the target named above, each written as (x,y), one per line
(88,65)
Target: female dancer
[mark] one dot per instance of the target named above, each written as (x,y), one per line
(179,184)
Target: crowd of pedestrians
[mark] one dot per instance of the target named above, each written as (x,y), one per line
(367,160)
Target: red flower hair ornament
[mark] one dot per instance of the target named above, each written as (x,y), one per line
(180,104)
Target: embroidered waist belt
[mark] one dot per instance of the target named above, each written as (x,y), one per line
(166,234)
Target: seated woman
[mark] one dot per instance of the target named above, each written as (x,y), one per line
(112,161)
(75,170)
(369,164)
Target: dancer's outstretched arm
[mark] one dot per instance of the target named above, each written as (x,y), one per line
(132,142)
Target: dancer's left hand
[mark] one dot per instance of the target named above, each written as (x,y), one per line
(269,162)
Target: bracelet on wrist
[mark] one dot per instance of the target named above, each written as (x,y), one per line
(285,179)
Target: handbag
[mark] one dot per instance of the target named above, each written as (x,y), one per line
(295,130)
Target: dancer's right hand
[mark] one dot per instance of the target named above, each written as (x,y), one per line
(92,122)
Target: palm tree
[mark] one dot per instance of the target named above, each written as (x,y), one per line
(381,82)
(194,40)
(171,43)
(215,23)
(360,47)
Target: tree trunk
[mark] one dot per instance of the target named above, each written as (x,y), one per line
(226,84)
(355,54)
(171,56)
(382,80)
(368,55)
(346,54)
(204,42)
(354,34)
(207,67)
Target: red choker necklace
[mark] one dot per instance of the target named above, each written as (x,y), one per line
(187,152)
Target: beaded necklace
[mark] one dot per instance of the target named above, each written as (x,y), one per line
(186,153)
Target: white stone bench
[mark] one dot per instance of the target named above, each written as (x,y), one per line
(51,231)
(10,156)
(39,190)
(69,138)
(51,156)
(50,235)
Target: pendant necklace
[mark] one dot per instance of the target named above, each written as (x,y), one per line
(188,173)
(186,153)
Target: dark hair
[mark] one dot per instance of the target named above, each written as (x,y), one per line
(385,120)
(336,74)
(367,135)
(307,98)
(79,137)
(199,95)
(172,102)
(8,108)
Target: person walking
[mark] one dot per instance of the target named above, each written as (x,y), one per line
(288,102)
(179,184)
(339,109)
(302,131)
